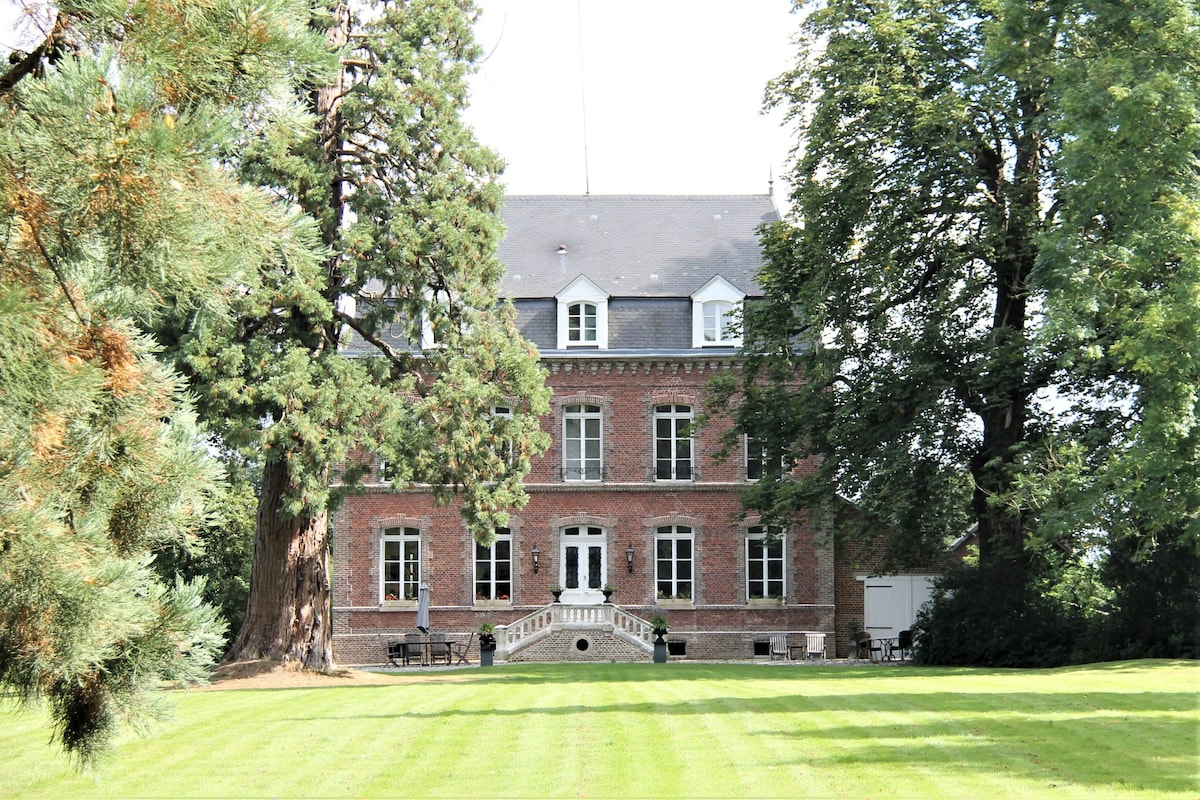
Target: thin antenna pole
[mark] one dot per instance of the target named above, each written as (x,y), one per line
(587,186)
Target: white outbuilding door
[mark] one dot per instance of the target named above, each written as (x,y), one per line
(891,602)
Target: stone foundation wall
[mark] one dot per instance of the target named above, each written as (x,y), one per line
(580,645)
(563,646)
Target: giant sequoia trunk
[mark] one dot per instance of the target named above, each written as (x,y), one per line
(288,612)
(287,615)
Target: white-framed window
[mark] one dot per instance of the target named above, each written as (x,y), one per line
(765,562)
(582,315)
(716,314)
(583,442)
(581,323)
(674,562)
(429,339)
(434,306)
(755,458)
(440,318)
(719,322)
(673,442)
(493,568)
(400,564)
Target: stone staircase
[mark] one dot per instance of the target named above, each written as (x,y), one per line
(568,632)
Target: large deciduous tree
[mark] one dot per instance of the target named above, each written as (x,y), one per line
(111,202)
(406,202)
(990,270)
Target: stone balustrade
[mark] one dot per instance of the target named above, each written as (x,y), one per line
(606,617)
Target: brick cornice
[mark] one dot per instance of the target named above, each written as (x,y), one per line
(641,365)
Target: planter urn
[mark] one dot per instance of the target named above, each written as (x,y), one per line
(660,646)
(487,649)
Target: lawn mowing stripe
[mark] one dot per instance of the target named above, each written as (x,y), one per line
(692,767)
(739,715)
(704,730)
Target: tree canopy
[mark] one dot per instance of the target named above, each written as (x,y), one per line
(234,191)
(981,315)
(112,199)
(406,204)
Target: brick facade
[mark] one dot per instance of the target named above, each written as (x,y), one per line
(721,621)
(658,271)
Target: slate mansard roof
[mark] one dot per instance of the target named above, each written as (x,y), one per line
(648,253)
(631,245)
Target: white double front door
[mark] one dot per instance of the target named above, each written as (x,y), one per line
(583,563)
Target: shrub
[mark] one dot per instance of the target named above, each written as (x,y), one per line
(994,617)
(1155,607)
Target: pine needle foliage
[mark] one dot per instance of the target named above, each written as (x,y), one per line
(114,209)
(405,201)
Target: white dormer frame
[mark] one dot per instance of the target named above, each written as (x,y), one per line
(716,291)
(429,339)
(582,290)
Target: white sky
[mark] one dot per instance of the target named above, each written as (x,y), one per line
(19,21)
(672,91)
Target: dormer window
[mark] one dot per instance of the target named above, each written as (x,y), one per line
(582,315)
(719,322)
(438,307)
(716,314)
(581,323)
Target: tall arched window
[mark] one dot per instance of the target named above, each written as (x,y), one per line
(765,573)
(582,315)
(716,314)
(583,444)
(673,442)
(400,564)
(581,323)
(493,568)
(719,322)
(674,562)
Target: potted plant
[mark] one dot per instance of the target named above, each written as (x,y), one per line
(608,592)
(556,591)
(659,624)
(487,644)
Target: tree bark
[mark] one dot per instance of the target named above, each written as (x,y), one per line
(287,614)
(1001,528)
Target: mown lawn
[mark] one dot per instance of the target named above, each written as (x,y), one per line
(1121,730)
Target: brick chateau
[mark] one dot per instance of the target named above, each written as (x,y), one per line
(627,299)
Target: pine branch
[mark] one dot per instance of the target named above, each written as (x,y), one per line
(403,361)
(51,50)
